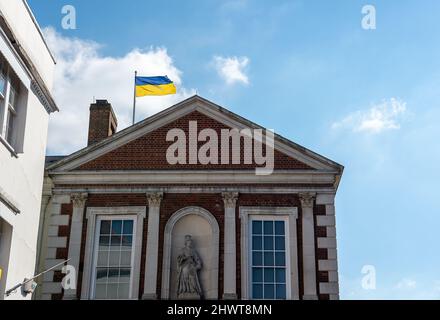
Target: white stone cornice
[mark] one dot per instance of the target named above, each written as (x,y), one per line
(154,199)
(307,199)
(230,199)
(79,199)
(236,177)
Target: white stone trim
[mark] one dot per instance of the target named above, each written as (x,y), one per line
(308,237)
(245,215)
(325,221)
(166,264)
(230,246)
(59,220)
(327,265)
(56,242)
(76,227)
(193,177)
(152,250)
(329,288)
(191,189)
(326,243)
(91,215)
(325,198)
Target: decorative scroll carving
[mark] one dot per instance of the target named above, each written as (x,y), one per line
(154,199)
(307,200)
(79,199)
(230,199)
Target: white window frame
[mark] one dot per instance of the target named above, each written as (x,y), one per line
(93,216)
(287,251)
(96,246)
(7,108)
(291,216)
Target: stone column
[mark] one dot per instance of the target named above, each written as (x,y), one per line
(151,260)
(79,202)
(308,237)
(229,260)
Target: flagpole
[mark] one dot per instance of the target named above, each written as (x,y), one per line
(134,98)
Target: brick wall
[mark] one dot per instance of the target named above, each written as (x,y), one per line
(149,151)
(174,202)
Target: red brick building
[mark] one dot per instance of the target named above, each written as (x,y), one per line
(122,207)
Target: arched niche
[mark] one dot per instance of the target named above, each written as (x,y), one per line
(204,229)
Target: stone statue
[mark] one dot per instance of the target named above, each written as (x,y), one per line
(188,266)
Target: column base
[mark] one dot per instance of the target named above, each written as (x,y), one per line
(230,296)
(310,297)
(149,296)
(70,296)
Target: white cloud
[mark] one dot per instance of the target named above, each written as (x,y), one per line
(82,74)
(380,117)
(232,69)
(406,283)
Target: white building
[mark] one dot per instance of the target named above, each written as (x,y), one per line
(26,76)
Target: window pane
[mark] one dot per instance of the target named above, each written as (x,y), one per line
(103,258)
(126,258)
(104,241)
(257,291)
(2,83)
(101,291)
(115,242)
(116,227)
(280,258)
(268,227)
(257,258)
(124,275)
(114,258)
(257,227)
(268,258)
(269,291)
(280,291)
(257,274)
(113,275)
(279,228)
(123,291)
(127,242)
(280,243)
(269,275)
(128,227)
(257,243)
(268,243)
(9,126)
(105,227)
(112,291)
(12,97)
(280,275)
(101,275)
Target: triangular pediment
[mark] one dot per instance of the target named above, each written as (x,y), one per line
(144,145)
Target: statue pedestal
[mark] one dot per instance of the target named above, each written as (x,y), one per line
(188,296)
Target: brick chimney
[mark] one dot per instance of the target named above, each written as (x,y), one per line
(102,123)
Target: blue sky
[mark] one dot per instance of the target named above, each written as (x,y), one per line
(368,99)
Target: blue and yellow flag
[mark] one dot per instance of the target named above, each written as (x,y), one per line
(154,86)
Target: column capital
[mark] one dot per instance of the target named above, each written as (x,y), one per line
(79,199)
(230,199)
(154,199)
(307,199)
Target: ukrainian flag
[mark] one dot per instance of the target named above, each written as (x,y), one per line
(154,86)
